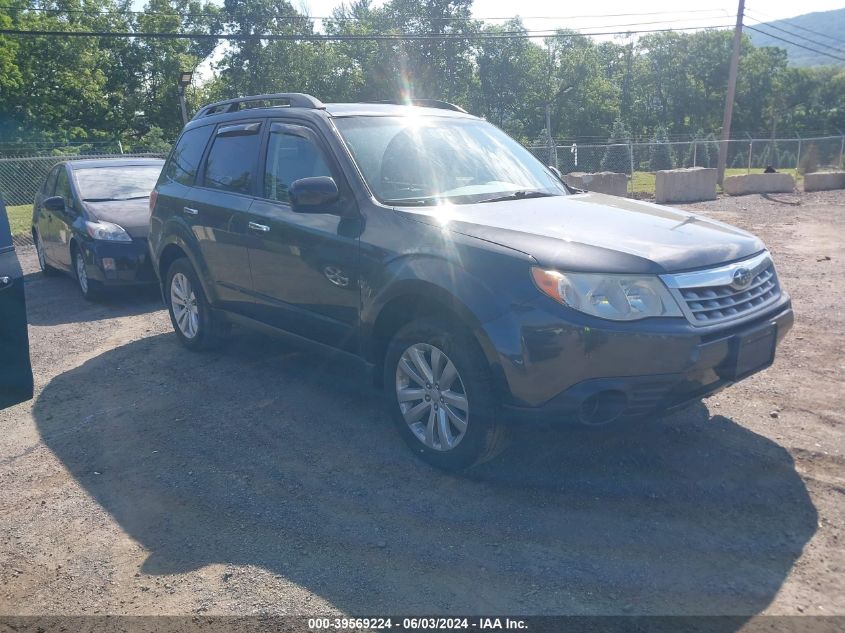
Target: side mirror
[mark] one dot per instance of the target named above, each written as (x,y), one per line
(54,203)
(556,172)
(312,195)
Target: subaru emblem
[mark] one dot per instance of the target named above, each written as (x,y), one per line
(742,278)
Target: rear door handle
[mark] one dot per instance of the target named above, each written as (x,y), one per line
(255,226)
(5,282)
(190,211)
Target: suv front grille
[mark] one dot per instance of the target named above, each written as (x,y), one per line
(725,293)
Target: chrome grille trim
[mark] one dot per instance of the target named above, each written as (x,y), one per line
(711,296)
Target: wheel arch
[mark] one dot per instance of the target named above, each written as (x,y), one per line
(420,299)
(175,248)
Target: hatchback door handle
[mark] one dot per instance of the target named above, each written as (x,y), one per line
(255,226)
(190,211)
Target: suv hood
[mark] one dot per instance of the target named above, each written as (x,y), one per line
(593,232)
(132,215)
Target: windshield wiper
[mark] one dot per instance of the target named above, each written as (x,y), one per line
(112,199)
(519,195)
(411,202)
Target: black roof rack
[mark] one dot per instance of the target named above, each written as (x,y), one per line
(284,99)
(426,103)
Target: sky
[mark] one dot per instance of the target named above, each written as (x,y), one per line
(599,13)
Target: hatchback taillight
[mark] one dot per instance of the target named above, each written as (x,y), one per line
(153,198)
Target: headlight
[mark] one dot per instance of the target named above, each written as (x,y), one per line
(614,297)
(107,231)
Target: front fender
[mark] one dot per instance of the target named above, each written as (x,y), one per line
(178,233)
(484,310)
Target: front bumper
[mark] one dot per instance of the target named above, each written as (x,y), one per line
(128,263)
(575,372)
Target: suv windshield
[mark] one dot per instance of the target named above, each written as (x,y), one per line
(116,183)
(416,160)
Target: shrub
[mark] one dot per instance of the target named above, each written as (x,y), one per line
(809,160)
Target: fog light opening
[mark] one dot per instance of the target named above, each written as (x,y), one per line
(602,407)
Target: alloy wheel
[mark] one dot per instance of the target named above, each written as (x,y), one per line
(183,301)
(39,250)
(432,397)
(81,275)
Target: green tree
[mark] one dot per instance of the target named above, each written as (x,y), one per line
(660,152)
(617,156)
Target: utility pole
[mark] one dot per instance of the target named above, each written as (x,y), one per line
(549,137)
(182,105)
(729,100)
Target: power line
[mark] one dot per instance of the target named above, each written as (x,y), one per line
(795,26)
(769,25)
(319,37)
(358,18)
(809,48)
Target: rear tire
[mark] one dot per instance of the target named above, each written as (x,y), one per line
(439,389)
(194,321)
(46,269)
(91,290)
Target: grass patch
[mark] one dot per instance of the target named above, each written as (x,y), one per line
(643,181)
(20,219)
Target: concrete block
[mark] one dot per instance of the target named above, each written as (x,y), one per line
(685,185)
(824,180)
(602,182)
(758,183)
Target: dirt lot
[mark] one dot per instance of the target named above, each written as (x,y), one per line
(145,479)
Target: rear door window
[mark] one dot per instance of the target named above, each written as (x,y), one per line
(233,158)
(184,161)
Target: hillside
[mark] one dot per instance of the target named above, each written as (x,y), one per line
(819,30)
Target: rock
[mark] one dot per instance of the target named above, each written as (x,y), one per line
(774,414)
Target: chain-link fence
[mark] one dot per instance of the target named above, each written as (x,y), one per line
(22,176)
(640,161)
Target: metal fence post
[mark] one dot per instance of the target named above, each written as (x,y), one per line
(631,153)
(798,156)
(841,150)
(694,152)
(750,152)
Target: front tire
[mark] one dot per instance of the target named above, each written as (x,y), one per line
(46,269)
(195,322)
(439,389)
(91,289)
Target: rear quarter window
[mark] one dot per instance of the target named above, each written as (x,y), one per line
(184,160)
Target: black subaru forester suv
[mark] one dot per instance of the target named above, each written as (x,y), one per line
(477,287)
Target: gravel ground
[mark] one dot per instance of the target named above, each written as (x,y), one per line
(146,479)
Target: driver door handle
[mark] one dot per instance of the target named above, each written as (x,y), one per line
(255,226)
(190,211)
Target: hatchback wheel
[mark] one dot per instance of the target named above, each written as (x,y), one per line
(89,288)
(195,323)
(42,260)
(439,389)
